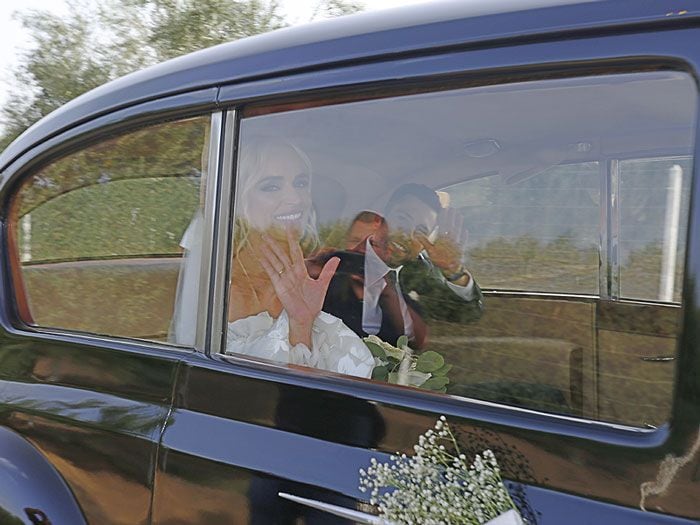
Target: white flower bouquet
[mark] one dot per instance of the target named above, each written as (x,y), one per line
(439,486)
(399,365)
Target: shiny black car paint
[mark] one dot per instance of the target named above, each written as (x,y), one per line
(112,431)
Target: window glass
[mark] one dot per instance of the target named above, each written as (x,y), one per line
(99,233)
(654,198)
(537,231)
(475,241)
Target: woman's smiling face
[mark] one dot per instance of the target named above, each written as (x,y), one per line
(280,195)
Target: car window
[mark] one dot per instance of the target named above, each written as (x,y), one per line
(654,195)
(536,231)
(508,242)
(98,234)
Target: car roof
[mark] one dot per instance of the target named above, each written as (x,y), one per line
(364,36)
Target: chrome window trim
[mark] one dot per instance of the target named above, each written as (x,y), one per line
(49,334)
(356,516)
(451,405)
(613,245)
(222,235)
(603,249)
(574,297)
(211,180)
(527,293)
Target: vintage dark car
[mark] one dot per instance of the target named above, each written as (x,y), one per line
(559,136)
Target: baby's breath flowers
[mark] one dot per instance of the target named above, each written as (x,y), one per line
(438,485)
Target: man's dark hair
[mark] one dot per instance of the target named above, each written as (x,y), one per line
(420,191)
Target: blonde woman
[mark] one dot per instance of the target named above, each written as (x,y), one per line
(274,305)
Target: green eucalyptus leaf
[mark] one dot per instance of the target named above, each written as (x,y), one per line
(430,361)
(380,373)
(436,383)
(377,351)
(402,341)
(442,371)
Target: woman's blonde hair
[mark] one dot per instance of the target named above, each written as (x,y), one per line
(254,150)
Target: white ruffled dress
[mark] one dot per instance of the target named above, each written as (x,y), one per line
(335,347)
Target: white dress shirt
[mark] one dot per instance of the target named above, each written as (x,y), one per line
(375,272)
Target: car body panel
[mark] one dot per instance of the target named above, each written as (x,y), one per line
(193,102)
(94,414)
(144,432)
(262,443)
(31,487)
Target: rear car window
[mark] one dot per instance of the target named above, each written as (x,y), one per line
(523,236)
(98,233)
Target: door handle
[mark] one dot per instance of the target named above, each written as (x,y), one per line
(350,514)
(658,358)
(510,517)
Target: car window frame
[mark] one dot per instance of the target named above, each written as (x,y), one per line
(84,136)
(445,70)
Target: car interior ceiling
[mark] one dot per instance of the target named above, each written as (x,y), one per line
(535,126)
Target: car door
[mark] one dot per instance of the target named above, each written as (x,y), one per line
(87,369)
(571,166)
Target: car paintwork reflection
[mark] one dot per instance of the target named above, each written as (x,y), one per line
(95,415)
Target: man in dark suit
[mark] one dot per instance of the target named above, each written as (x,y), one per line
(364,291)
(399,271)
(429,240)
